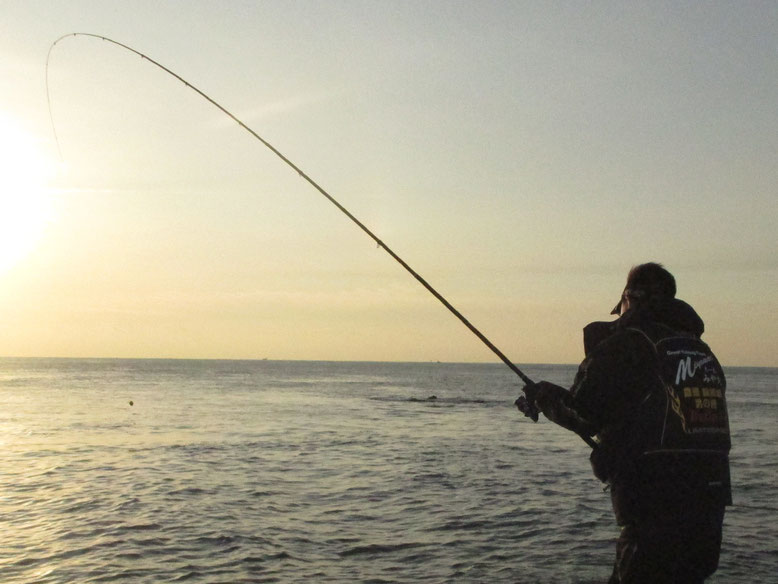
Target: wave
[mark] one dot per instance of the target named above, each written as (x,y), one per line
(434,400)
(379,548)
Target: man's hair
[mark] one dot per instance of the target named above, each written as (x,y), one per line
(652,280)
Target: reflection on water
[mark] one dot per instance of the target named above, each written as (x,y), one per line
(324,472)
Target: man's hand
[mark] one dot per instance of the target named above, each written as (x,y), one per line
(542,396)
(556,404)
(548,396)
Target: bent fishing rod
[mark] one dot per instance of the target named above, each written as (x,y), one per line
(307,178)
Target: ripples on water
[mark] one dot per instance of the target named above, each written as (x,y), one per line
(322,472)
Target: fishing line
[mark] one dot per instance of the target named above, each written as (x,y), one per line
(307,178)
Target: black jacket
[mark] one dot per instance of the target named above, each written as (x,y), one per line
(623,393)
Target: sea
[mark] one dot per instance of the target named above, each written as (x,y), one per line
(152,471)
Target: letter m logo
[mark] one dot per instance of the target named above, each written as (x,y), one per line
(685,369)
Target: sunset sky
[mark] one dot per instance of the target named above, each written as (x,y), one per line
(521,156)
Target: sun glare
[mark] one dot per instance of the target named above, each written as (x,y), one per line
(25,204)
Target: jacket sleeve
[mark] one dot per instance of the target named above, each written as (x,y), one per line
(558,405)
(613,379)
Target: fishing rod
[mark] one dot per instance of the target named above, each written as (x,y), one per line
(308,179)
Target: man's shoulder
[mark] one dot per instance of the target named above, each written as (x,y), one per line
(624,340)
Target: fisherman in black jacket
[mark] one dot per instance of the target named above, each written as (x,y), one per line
(653,396)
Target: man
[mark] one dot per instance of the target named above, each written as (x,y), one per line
(653,396)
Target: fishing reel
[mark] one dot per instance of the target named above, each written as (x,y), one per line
(526,403)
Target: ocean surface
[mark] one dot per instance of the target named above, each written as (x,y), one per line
(151,471)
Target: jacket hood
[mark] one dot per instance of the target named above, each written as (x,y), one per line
(674,313)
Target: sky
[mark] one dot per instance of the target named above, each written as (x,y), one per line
(521,156)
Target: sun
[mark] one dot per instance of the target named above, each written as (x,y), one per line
(25,202)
